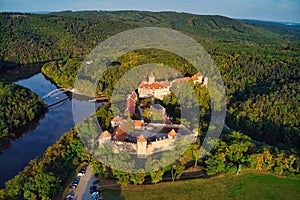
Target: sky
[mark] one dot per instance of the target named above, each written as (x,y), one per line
(271,10)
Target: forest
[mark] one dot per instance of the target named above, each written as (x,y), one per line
(261,86)
(18,106)
(259,63)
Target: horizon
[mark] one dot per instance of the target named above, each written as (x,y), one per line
(48,12)
(266,10)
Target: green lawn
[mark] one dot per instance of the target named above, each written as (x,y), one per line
(247,186)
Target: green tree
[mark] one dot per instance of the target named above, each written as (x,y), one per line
(121,176)
(137,177)
(157,176)
(215,164)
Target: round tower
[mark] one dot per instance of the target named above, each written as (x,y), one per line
(172,134)
(141,147)
(104,138)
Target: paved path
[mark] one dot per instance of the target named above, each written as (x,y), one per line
(83,189)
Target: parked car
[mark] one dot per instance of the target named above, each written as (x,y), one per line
(93,189)
(85,167)
(70,195)
(82,171)
(96,182)
(75,182)
(95,195)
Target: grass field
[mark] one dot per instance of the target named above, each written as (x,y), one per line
(247,186)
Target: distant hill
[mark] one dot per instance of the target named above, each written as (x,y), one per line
(40,37)
(289,28)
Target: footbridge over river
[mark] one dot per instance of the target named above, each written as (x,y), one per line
(56,96)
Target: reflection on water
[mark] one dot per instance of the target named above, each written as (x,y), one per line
(15,73)
(6,142)
(36,136)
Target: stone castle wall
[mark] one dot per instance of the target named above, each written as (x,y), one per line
(158,146)
(119,146)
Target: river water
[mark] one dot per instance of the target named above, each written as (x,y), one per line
(36,136)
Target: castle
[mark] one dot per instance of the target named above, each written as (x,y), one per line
(159,89)
(143,140)
(140,138)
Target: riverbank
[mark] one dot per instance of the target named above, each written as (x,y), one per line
(34,137)
(18,106)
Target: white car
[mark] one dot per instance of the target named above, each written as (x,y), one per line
(81,173)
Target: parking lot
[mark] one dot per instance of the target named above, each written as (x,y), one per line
(82,191)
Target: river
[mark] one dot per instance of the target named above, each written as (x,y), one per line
(36,136)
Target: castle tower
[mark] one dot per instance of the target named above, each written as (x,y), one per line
(141,147)
(172,135)
(151,78)
(104,138)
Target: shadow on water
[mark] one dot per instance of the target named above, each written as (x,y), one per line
(14,72)
(59,103)
(6,142)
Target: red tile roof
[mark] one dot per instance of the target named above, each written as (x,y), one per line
(155,85)
(105,134)
(119,134)
(183,79)
(134,96)
(172,133)
(167,120)
(117,119)
(196,76)
(138,123)
(130,105)
(141,139)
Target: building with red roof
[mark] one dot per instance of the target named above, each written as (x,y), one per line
(197,78)
(138,124)
(131,102)
(104,137)
(152,88)
(159,89)
(119,134)
(115,121)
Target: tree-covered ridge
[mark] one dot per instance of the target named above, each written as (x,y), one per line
(18,105)
(262,87)
(34,37)
(63,73)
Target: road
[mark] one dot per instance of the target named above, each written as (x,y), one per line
(83,189)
